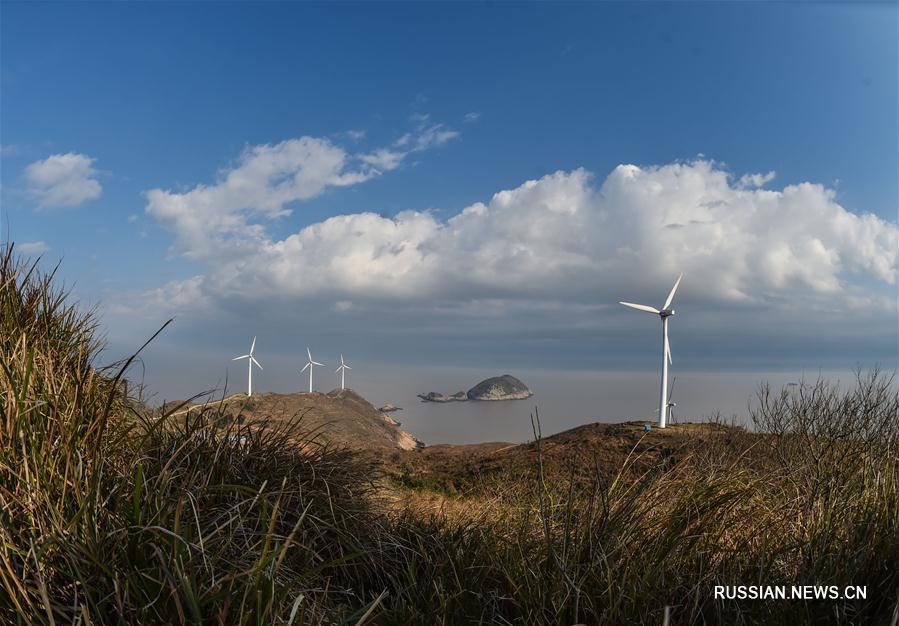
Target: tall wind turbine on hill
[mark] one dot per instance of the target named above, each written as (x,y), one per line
(250,360)
(342,369)
(309,365)
(664,313)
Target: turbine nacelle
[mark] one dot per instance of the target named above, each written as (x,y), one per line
(666,312)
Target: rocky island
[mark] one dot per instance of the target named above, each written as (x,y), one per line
(433,396)
(503,387)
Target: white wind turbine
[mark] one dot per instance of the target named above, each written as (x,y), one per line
(250,360)
(342,369)
(309,365)
(665,313)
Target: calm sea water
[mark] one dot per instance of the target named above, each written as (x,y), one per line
(564,399)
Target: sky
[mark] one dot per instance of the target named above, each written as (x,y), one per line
(453,184)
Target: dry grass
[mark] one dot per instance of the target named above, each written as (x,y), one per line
(109,514)
(112,514)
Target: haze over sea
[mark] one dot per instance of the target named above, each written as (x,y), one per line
(565,399)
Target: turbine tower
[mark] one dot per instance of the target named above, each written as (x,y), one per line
(250,360)
(342,369)
(309,365)
(664,313)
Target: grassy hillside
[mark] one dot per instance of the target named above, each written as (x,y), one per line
(581,455)
(111,513)
(341,417)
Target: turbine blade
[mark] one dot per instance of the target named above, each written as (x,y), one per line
(253,345)
(640,307)
(305,367)
(309,353)
(256,362)
(668,351)
(317,363)
(238,358)
(671,295)
(341,359)
(348,367)
(338,370)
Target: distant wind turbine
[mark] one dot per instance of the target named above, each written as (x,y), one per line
(342,369)
(250,360)
(665,313)
(671,404)
(309,365)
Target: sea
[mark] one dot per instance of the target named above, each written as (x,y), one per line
(561,400)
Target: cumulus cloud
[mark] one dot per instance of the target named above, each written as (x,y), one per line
(267,179)
(63,180)
(564,236)
(32,247)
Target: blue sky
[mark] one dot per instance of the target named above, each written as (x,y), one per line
(169,96)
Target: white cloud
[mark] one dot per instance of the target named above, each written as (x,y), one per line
(32,247)
(563,237)
(384,159)
(427,137)
(63,180)
(748,181)
(427,134)
(473,116)
(265,181)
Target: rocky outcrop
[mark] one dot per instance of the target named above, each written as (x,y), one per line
(503,387)
(433,396)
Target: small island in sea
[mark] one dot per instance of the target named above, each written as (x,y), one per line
(505,387)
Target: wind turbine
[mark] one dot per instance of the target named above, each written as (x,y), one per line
(310,364)
(342,369)
(671,404)
(664,313)
(250,360)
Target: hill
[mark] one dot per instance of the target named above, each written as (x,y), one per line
(582,453)
(110,514)
(340,417)
(505,387)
